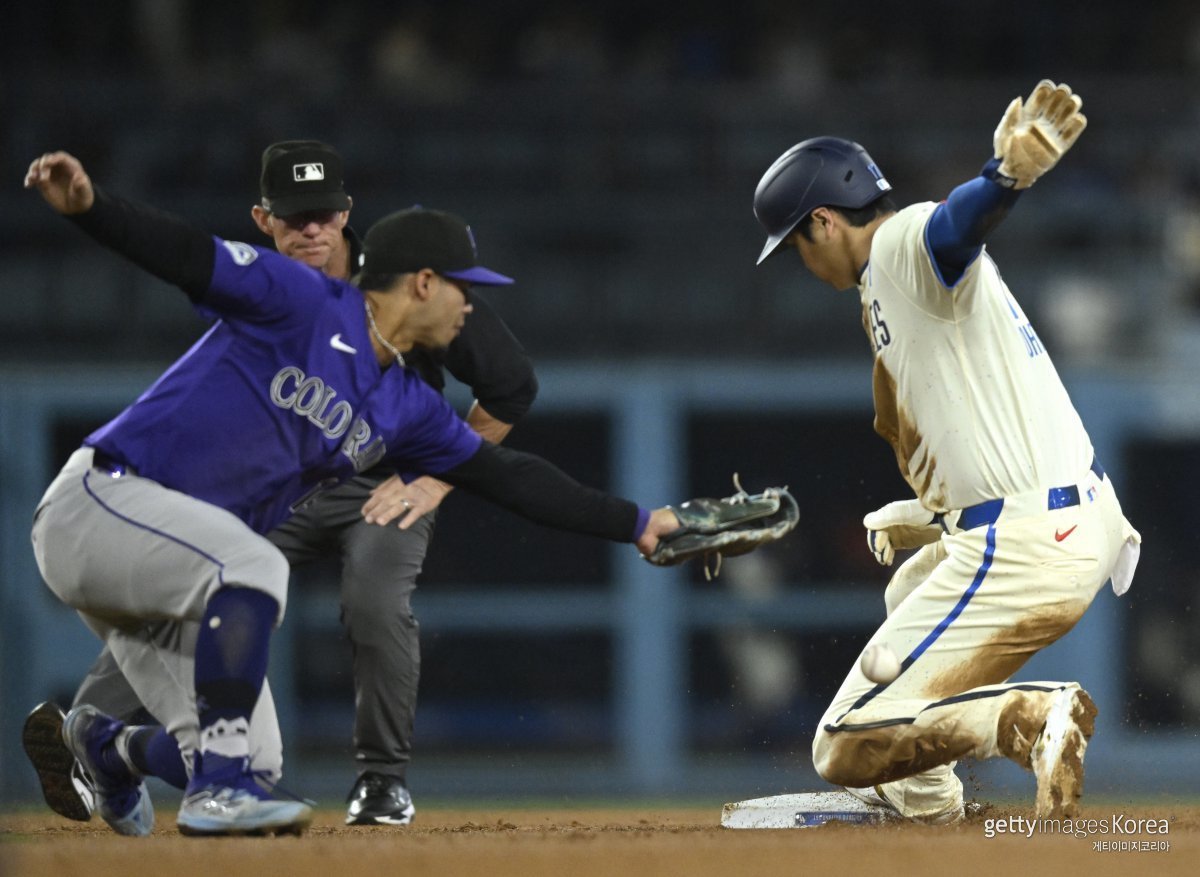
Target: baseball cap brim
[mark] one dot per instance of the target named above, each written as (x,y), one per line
(289,205)
(774,244)
(482,276)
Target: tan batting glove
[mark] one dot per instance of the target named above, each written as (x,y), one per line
(900,525)
(1034,135)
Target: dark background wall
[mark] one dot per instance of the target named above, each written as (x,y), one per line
(606,155)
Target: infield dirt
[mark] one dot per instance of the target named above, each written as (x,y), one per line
(505,841)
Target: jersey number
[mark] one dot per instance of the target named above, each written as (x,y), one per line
(880,336)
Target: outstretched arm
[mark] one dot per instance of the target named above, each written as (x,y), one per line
(537,490)
(161,243)
(1030,139)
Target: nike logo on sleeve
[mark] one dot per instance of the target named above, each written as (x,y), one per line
(1058,537)
(337,343)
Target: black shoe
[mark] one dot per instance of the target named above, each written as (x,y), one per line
(379,799)
(65,785)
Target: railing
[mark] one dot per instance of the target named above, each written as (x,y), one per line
(649,612)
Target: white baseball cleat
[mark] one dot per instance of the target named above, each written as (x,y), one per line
(1058,752)
(226,810)
(227,799)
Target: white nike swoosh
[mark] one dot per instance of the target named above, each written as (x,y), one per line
(337,343)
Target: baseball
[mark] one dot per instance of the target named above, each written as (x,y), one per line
(879,663)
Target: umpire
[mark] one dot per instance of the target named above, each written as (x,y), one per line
(306,211)
(380,564)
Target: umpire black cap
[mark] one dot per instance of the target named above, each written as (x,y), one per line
(302,175)
(823,171)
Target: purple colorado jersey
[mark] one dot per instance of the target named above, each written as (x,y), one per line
(281,398)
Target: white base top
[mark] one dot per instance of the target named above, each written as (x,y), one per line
(802,810)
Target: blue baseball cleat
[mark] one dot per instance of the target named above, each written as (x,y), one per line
(121,794)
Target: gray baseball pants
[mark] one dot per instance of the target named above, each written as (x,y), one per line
(380,566)
(139,562)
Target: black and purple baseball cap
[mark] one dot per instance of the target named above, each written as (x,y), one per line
(417,238)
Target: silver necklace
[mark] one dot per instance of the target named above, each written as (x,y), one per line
(387,345)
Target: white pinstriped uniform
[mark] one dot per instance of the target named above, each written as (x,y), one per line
(975,411)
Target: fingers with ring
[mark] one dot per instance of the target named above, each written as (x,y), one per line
(406,503)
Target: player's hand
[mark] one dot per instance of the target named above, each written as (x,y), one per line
(393,500)
(62,181)
(662,521)
(900,525)
(1034,135)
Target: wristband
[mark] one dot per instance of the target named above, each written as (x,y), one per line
(991,171)
(643,520)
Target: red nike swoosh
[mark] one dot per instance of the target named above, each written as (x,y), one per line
(1058,537)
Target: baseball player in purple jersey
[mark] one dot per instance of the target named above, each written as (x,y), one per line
(1017,523)
(160,516)
(305,210)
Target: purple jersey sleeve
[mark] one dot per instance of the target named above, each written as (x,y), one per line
(257,285)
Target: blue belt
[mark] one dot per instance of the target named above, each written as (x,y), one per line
(1056,498)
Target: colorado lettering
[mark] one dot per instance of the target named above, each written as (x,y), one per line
(313,399)
(359,447)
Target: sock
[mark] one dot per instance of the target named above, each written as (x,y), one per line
(231,664)
(155,753)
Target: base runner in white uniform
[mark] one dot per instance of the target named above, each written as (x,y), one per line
(1017,523)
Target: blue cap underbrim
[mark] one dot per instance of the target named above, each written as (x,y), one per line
(482,276)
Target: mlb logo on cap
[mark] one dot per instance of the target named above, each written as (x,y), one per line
(304,173)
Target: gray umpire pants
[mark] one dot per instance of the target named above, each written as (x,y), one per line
(380,566)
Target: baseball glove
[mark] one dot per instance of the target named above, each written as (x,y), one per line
(727,527)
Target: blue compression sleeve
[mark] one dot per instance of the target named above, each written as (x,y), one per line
(958,227)
(231,655)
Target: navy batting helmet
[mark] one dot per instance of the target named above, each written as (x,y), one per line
(823,171)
